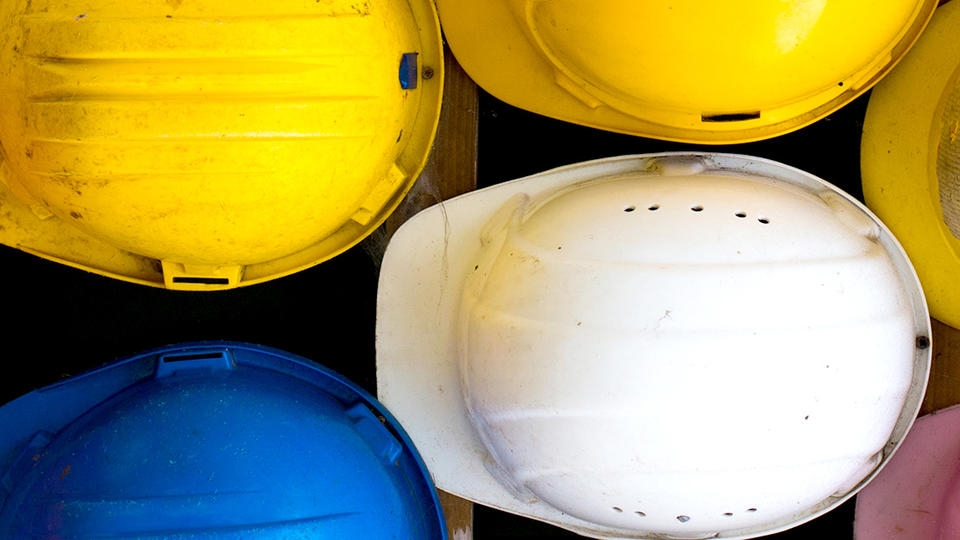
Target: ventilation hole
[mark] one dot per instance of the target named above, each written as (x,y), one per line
(189,357)
(728,514)
(683,519)
(751,509)
(641,514)
(840,83)
(741,214)
(735,117)
(617,509)
(202,280)
(923,342)
(630,209)
(697,208)
(653,207)
(764,220)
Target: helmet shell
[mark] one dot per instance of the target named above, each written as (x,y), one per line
(210,440)
(693,70)
(670,346)
(781,335)
(206,145)
(910,159)
(918,495)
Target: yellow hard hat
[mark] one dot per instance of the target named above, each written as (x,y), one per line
(910,159)
(687,70)
(210,144)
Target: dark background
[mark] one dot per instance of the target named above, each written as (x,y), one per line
(62,321)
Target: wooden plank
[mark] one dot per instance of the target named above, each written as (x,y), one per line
(459,514)
(943,389)
(452,167)
(450,171)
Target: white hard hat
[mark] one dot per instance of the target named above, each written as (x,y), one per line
(671,345)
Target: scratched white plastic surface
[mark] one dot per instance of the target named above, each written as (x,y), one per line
(671,345)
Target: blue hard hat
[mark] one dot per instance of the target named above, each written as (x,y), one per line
(210,440)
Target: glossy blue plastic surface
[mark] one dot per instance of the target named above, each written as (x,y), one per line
(210,441)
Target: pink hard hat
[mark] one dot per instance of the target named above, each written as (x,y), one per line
(917,495)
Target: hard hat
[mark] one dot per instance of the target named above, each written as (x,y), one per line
(211,441)
(684,345)
(209,145)
(693,71)
(910,158)
(917,496)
